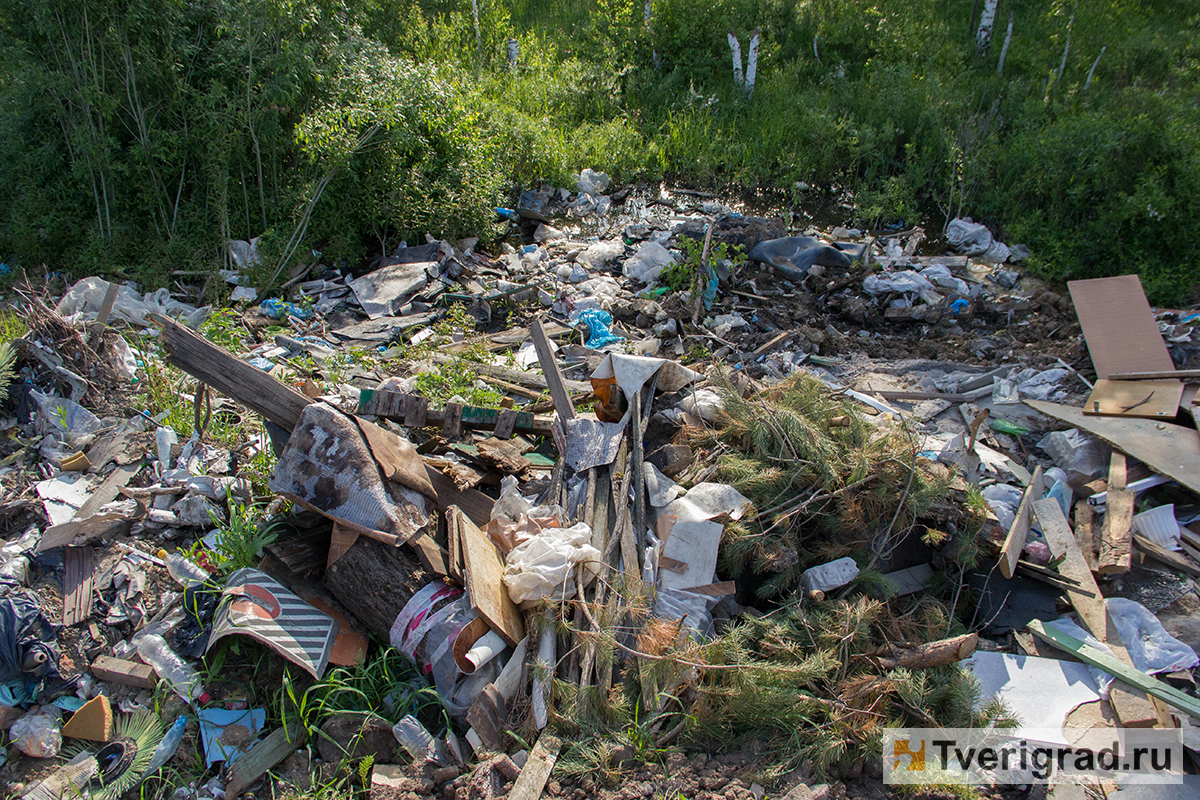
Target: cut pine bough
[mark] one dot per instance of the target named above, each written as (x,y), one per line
(1130,675)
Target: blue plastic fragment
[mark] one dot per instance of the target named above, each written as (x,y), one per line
(275,308)
(598,323)
(958,306)
(507,213)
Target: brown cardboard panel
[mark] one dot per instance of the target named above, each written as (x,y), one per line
(1118,325)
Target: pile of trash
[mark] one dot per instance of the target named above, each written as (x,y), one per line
(523,513)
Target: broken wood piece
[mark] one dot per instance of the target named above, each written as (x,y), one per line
(932,654)
(1183,374)
(1164,556)
(1010,552)
(1170,450)
(1149,399)
(533,777)
(714,589)
(758,351)
(255,762)
(229,375)
(484,570)
(1051,578)
(79,566)
(1117,535)
(506,422)
(1085,533)
(414,412)
(506,456)
(126,673)
(1126,672)
(554,378)
(1132,711)
(452,423)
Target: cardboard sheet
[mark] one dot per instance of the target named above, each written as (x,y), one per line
(1040,691)
(1118,325)
(696,535)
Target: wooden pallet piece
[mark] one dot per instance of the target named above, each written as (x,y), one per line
(79,566)
(506,422)
(1086,535)
(533,777)
(554,377)
(1010,552)
(1132,710)
(255,762)
(1117,531)
(484,578)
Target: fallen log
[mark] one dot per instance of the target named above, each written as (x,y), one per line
(374,581)
(932,654)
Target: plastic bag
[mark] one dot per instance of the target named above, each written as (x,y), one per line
(907,282)
(648,263)
(39,732)
(704,403)
(591,182)
(976,240)
(544,566)
(598,323)
(87,296)
(515,520)
(63,418)
(1151,648)
(600,253)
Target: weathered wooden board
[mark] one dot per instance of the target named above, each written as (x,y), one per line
(1170,450)
(1148,399)
(1011,551)
(485,580)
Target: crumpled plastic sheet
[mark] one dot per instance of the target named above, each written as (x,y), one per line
(976,240)
(543,567)
(86,297)
(27,637)
(907,282)
(275,308)
(599,323)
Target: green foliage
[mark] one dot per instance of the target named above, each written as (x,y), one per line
(8,359)
(142,135)
(240,542)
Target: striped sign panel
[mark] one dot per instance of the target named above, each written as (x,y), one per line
(256,605)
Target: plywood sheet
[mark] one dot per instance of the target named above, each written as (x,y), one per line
(1118,325)
(485,580)
(1149,399)
(1170,450)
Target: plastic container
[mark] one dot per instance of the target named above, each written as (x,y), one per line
(1159,526)
(169,744)
(184,680)
(185,572)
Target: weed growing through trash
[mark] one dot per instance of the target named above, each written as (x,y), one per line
(224,327)
(241,541)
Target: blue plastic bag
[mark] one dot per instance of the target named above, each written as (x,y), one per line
(598,323)
(275,308)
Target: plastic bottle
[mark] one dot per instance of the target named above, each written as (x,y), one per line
(169,744)
(184,680)
(182,570)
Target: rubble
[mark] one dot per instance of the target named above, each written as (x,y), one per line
(595,488)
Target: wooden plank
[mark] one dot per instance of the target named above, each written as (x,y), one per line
(79,566)
(1185,374)
(229,375)
(1127,673)
(1170,450)
(1121,333)
(533,777)
(416,411)
(452,424)
(1149,399)
(474,503)
(484,570)
(255,762)
(554,378)
(1010,552)
(454,564)
(531,380)
(126,673)
(505,424)
(1165,556)
(714,589)
(1117,533)
(1131,710)
(1085,533)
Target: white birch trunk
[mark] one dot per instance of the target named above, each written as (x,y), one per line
(475,13)
(752,64)
(1092,71)
(1004,49)
(986,20)
(736,47)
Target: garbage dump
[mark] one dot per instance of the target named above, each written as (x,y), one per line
(642,494)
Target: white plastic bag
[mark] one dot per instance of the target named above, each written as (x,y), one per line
(648,263)
(905,282)
(592,182)
(544,566)
(1151,648)
(976,240)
